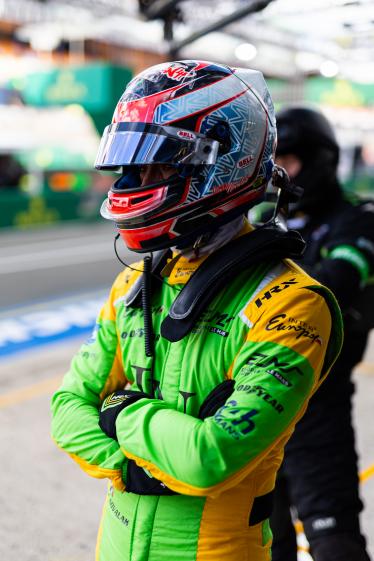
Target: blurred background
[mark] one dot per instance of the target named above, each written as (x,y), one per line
(63,66)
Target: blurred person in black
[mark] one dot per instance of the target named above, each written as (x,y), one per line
(11,172)
(319,475)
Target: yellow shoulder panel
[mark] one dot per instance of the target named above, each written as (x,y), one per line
(289,313)
(117,378)
(121,286)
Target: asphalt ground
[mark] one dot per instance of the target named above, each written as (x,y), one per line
(49,509)
(44,263)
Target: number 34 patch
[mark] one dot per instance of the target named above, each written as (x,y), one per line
(228,417)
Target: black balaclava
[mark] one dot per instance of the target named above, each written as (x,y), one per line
(307,134)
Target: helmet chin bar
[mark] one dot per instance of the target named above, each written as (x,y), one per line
(161,234)
(129,201)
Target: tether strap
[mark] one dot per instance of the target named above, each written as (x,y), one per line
(262,508)
(263,244)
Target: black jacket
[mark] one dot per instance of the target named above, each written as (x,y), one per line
(343,223)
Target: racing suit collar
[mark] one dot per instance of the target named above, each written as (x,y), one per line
(181,267)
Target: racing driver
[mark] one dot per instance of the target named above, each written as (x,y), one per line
(206,353)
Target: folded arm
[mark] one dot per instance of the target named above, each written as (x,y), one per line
(95,371)
(275,373)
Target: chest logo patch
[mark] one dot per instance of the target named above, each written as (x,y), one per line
(274,290)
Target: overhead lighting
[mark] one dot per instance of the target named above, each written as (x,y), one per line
(245,52)
(329,68)
(47,41)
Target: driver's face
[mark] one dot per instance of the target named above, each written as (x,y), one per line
(153,173)
(291,163)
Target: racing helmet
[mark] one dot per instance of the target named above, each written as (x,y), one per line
(213,126)
(306,133)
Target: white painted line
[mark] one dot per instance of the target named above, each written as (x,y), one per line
(26,247)
(99,294)
(43,326)
(88,253)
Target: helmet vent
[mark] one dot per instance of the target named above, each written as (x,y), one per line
(137,200)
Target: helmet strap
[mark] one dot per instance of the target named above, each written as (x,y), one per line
(200,242)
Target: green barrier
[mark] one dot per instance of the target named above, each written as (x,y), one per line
(362,185)
(322,91)
(22,211)
(96,87)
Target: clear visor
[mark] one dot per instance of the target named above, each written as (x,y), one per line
(124,144)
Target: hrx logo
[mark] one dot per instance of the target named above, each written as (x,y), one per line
(274,290)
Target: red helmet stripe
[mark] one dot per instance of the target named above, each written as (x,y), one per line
(133,238)
(209,109)
(142,110)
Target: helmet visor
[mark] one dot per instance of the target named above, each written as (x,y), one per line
(126,144)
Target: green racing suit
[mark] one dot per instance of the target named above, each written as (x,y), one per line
(276,332)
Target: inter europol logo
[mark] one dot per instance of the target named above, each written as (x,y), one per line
(300,329)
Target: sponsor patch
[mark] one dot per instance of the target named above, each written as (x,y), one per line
(324,523)
(178,72)
(261,392)
(240,425)
(186,134)
(244,162)
(280,370)
(113,401)
(268,294)
(117,513)
(300,329)
(280,378)
(213,321)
